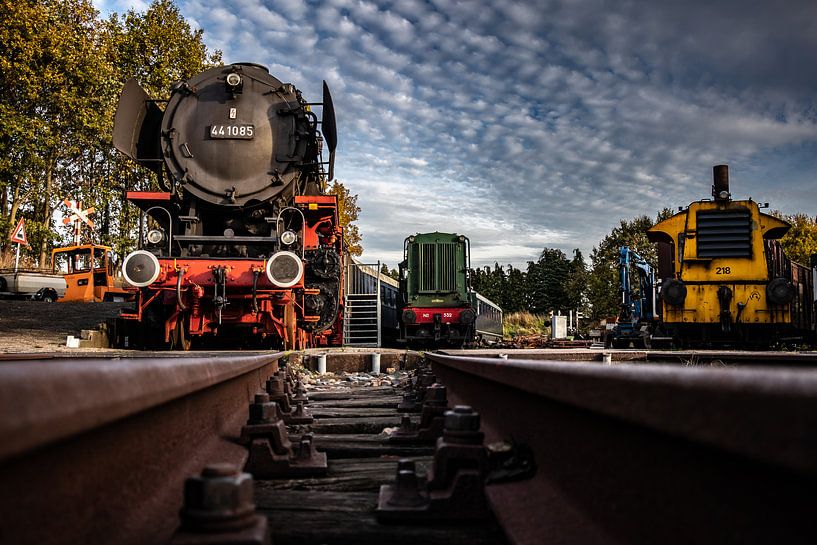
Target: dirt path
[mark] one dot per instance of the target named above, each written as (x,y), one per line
(34,326)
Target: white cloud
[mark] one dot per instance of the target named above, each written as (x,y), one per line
(540,123)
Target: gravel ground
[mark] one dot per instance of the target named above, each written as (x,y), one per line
(34,326)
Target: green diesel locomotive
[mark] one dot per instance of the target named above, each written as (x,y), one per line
(438,304)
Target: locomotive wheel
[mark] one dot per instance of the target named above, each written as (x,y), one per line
(180,340)
(290,323)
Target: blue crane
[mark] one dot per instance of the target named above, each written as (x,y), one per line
(637,302)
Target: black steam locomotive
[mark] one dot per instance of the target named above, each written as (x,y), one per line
(241,241)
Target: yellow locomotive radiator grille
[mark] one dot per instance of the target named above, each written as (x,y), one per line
(724,233)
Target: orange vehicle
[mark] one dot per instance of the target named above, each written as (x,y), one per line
(90,274)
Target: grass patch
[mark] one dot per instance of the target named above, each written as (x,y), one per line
(525,323)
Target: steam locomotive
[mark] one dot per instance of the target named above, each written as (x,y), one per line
(725,276)
(241,242)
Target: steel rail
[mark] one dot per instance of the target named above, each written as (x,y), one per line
(96,450)
(640,453)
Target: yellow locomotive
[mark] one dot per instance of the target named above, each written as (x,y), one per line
(725,277)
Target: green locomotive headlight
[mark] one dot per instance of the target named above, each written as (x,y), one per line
(468,316)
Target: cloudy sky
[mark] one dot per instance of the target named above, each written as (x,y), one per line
(538,124)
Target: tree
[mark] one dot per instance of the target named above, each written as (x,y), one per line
(60,75)
(547,281)
(348,211)
(391,273)
(577,279)
(801,241)
(54,99)
(603,280)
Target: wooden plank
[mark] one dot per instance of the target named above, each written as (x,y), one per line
(352,412)
(354,475)
(338,446)
(355,425)
(305,517)
(355,392)
(372,402)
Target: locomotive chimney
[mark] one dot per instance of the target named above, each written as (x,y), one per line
(720,188)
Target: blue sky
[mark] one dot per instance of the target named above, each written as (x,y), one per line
(533,124)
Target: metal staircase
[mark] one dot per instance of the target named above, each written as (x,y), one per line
(361,308)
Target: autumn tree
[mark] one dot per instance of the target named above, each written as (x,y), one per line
(348,211)
(60,76)
(55,93)
(800,243)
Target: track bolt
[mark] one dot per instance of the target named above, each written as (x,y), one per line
(275,387)
(462,418)
(436,394)
(220,499)
(262,410)
(305,449)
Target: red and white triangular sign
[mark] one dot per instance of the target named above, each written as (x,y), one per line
(19,234)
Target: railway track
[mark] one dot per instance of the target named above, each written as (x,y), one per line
(98,451)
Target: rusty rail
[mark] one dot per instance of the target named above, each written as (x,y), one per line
(639,453)
(97,450)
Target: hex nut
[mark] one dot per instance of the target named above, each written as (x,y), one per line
(462,418)
(262,410)
(275,387)
(437,393)
(221,495)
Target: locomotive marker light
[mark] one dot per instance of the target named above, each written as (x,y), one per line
(155,236)
(141,268)
(285,269)
(288,238)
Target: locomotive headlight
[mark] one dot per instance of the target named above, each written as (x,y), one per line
(141,268)
(409,316)
(155,236)
(468,316)
(288,238)
(233,79)
(674,292)
(780,291)
(285,269)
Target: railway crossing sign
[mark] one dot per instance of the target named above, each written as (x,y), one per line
(78,217)
(19,233)
(77,213)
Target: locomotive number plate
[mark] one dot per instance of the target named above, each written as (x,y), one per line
(241,132)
